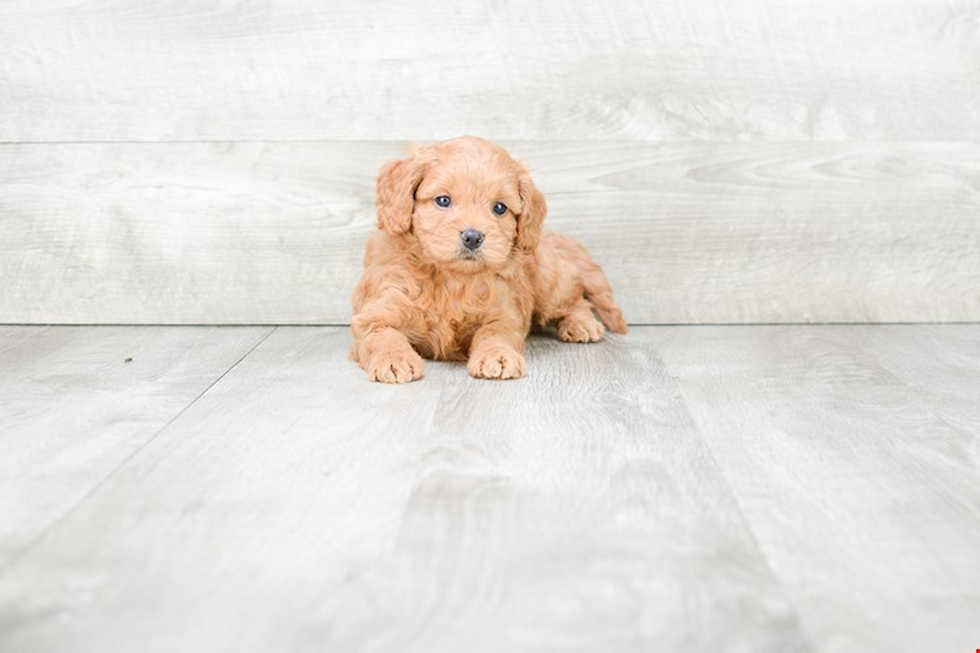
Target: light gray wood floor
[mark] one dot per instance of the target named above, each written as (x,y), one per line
(756,488)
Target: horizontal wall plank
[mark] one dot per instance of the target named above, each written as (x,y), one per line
(216,233)
(670,70)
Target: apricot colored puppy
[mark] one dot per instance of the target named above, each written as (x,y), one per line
(460,268)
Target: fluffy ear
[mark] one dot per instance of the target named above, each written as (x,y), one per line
(531,219)
(397,182)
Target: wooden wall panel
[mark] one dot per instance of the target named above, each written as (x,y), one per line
(688,233)
(723,70)
(729,161)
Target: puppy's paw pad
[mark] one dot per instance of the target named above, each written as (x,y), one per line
(580,329)
(497,363)
(400,367)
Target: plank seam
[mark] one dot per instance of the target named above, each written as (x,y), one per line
(776,579)
(16,557)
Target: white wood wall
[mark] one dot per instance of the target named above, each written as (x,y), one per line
(726,160)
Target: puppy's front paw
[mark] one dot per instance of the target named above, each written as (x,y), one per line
(395,367)
(580,328)
(496,362)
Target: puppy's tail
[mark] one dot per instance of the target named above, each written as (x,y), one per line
(599,293)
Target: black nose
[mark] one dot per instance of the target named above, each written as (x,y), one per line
(471,238)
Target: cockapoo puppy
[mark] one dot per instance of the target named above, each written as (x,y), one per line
(461,268)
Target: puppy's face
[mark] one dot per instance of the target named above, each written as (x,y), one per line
(466,201)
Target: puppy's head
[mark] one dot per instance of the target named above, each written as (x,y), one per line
(469,204)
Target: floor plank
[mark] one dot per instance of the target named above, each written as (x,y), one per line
(679,488)
(940,361)
(864,500)
(76,402)
(575,510)
(297,507)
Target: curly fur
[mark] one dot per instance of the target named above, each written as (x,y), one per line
(423,294)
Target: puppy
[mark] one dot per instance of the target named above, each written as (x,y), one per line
(461,268)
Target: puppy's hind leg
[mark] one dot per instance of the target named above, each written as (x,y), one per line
(599,293)
(580,325)
(573,257)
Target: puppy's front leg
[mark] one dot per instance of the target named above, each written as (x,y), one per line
(385,354)
(495,352)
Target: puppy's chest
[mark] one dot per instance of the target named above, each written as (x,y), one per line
(452,300)
(455,309)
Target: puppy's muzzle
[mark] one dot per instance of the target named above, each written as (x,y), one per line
(472,239)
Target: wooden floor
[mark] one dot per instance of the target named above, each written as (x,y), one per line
(762,488)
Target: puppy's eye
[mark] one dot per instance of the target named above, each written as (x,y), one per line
(499,208)
(443,201)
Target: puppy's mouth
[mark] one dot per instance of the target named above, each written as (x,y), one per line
(470,255)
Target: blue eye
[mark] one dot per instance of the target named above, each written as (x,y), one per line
(443,201)
(499,208)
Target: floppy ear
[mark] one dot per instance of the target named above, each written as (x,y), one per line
(397,182)
(531,219)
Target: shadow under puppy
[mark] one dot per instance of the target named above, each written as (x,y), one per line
(461,267)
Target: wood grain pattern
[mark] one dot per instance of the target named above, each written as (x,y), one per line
(804,488)
(297,507)
(940,363)
(688,233)
(671,70)
(863,499)
(72,409)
